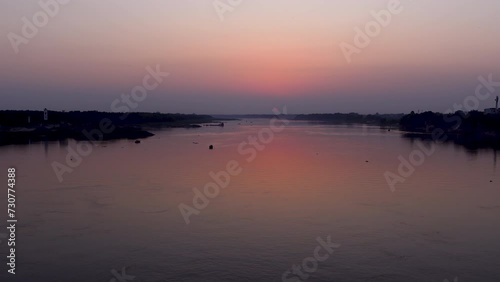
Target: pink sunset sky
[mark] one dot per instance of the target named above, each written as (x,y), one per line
(261,54)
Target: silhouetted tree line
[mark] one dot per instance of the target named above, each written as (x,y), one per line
(351,118)
(459,122)
(85,125)
(92,118)
(473,130)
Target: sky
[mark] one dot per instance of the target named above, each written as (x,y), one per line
(248,56)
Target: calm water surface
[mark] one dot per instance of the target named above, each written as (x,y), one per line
(119,208)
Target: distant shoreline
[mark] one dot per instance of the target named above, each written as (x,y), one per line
(23,127)
(474,129)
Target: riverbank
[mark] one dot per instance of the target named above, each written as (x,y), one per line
(23,127)
(473,130)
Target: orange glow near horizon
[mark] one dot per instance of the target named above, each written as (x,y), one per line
(262,52)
